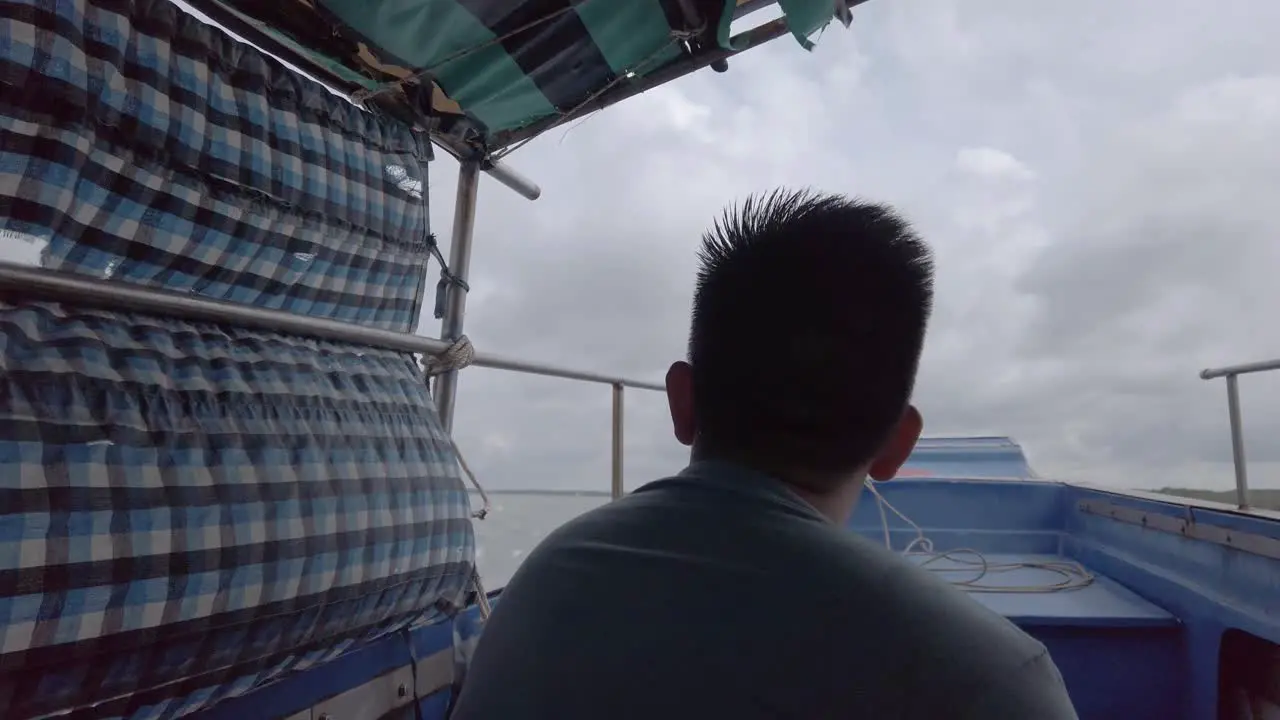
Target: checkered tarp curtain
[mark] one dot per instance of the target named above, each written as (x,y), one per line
(194,503)
(190,510)
(147,147)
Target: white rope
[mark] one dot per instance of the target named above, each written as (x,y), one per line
(1073,574)
(483,512)
(457,356)
(482,598)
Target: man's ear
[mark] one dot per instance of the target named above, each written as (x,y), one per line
(898,447)
(680,401)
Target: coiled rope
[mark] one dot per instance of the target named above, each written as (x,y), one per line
(966,560)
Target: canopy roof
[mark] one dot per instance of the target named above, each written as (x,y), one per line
(481,75)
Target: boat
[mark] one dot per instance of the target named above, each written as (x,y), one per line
(229,485)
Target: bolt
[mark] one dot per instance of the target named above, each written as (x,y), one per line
(402,690)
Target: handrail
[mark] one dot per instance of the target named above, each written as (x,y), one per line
(30,283)
(495,362)
(501,172)
(455,293)
(618,384)
(1232,373)
(1243,369)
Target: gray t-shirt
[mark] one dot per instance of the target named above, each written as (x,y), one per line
(719,593)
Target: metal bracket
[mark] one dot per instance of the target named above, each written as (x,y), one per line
(1251,543)
(434,672)
(501,172)
(370,701)
(387,693)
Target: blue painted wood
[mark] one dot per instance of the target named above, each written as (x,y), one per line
(1120,673)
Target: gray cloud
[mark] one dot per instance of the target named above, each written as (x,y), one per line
(1096,178)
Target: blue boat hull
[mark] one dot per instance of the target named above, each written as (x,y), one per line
(1144,640)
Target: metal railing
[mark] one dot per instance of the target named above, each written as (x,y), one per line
(1232,374)
(618,384)
(30,283)
(455,305)
(464,218)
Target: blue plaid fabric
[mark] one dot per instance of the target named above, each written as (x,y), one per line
(147,147)
(189,511)
(198,504)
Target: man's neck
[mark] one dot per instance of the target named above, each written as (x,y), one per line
(836,505)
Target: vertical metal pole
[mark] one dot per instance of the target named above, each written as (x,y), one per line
(617,441)
(1237,441)
(464,221)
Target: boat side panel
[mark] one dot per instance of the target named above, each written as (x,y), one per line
(1121,654)
(1119,674)
(432,684)
(978,457)
(985,515)
(1211,587)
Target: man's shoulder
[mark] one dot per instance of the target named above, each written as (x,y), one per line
(683,519)
(854,596)
(689,498)
(939,613)
(616,521)
(931,640)
(865,587)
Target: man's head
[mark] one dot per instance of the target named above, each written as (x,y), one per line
(808,320)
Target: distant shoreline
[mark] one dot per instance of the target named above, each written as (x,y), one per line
(571,493)
(1261,498)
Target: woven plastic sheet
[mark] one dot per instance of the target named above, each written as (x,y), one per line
(143,146)
(192,510)
(184,502)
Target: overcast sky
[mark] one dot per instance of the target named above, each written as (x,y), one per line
(1098,179)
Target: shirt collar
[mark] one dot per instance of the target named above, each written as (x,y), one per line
(737,478)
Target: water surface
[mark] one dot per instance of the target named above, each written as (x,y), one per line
(516,523)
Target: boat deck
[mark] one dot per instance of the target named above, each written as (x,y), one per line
(1116,650)
(1102,603)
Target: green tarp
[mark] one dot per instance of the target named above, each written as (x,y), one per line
(504,64)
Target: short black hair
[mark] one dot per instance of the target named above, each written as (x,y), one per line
(809,317)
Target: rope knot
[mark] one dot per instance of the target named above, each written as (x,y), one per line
(688,35)
(457,356)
